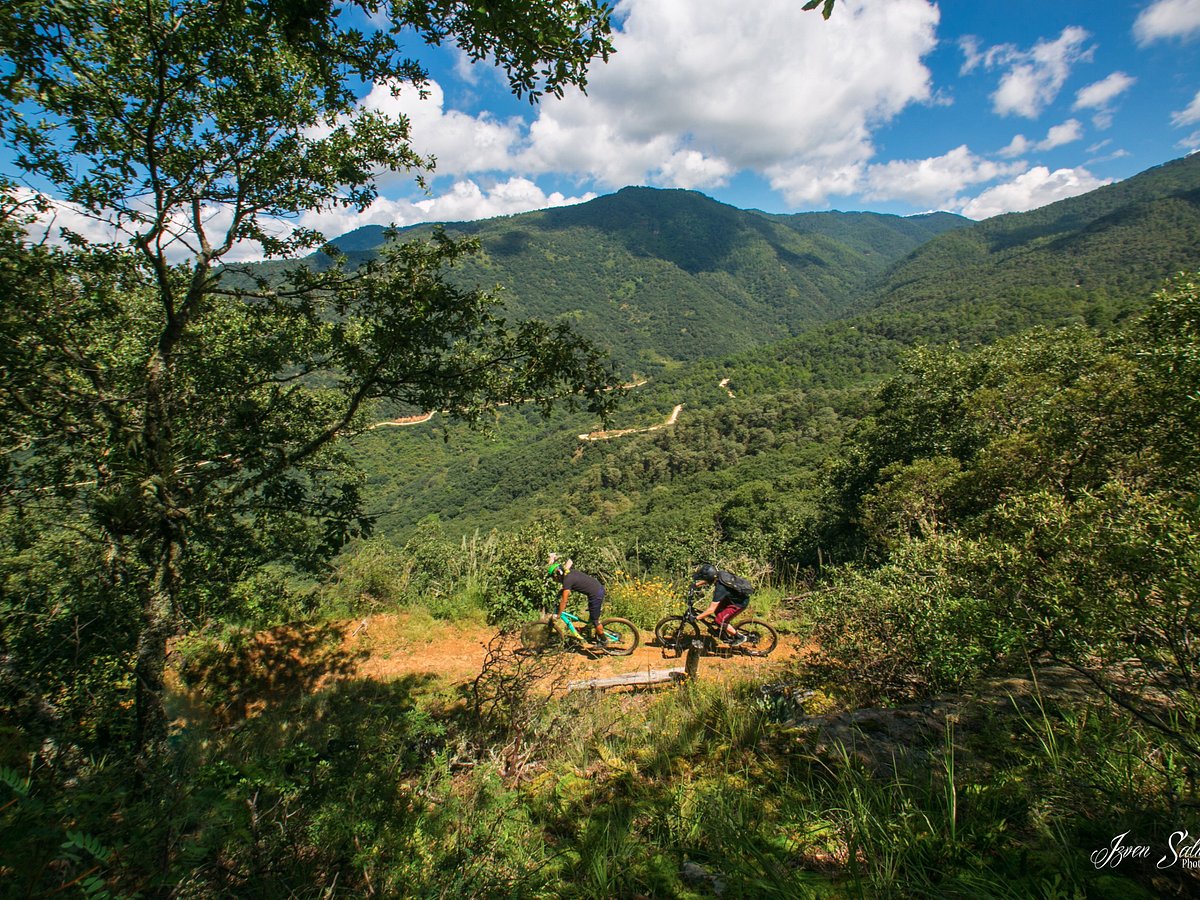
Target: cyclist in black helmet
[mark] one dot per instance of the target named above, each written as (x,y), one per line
(726,601)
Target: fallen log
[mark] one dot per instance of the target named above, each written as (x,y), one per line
(634,679)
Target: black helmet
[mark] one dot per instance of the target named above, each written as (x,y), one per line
(706,573)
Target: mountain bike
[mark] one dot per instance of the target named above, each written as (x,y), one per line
(559,631)
(676,634)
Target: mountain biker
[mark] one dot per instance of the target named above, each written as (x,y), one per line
(727,602)
(563,572)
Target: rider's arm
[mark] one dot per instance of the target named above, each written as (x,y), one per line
(562,601)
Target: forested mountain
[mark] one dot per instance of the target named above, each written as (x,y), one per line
(1092,259)
(659,276)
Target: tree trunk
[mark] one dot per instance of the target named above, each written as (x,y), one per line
(158,626)
(166,536)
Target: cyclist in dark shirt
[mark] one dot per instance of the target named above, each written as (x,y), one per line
(563,572)
(726,603)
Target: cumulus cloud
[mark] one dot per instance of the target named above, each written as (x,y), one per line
(179,243)
(685,104)
(1166,19)
(933,182)
(1033,78)
(461,143)
(465,201)
(1031,189)
(1188,116)
(804,184)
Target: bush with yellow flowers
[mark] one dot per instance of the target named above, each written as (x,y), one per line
(642,598)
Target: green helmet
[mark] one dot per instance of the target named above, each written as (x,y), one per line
(552,568)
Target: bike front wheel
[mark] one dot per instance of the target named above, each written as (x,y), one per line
(680,636)
(621,636)
(666,628)
(761,638)
(540,637)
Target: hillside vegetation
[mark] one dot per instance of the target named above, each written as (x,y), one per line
(661,276)
(794,398)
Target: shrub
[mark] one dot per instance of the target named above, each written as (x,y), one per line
(643,599)
(919,624)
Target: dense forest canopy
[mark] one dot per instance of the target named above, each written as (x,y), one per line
(793,398)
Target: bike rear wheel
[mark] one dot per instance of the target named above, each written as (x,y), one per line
(761,638)
(622,636)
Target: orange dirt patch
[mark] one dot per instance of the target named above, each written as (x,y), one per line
(391,646)
(281,664)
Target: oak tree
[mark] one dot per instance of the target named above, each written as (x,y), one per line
(176,421)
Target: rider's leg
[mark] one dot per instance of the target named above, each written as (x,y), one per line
(725,617)
(594,607)
(712,608)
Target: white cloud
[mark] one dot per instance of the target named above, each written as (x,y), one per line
(1017,146)
(1167,19)
(972,57)
(1069,131)
(933,182)
(465,201)
(1188,116)
(48,223)
(692,169)
(699,89)
(805,185)
(1034,78)
(461,143)
(179,244)
(1100,94)
(1066,133)
(1029,190)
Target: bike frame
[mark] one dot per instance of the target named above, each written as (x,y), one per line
(570,620)
(693,612)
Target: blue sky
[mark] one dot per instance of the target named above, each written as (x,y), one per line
(976,106)
(980,107)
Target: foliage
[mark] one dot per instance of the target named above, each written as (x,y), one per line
(643,599)
(1086,260)
(183,420)
(746,469)
(1034,497)
(521,588)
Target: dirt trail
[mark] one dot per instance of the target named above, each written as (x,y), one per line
(394,646)
(621,432)
(282,664)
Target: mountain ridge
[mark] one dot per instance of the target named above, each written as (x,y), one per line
(667,276)
(795,396)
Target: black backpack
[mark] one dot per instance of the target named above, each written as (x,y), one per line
(735,584)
